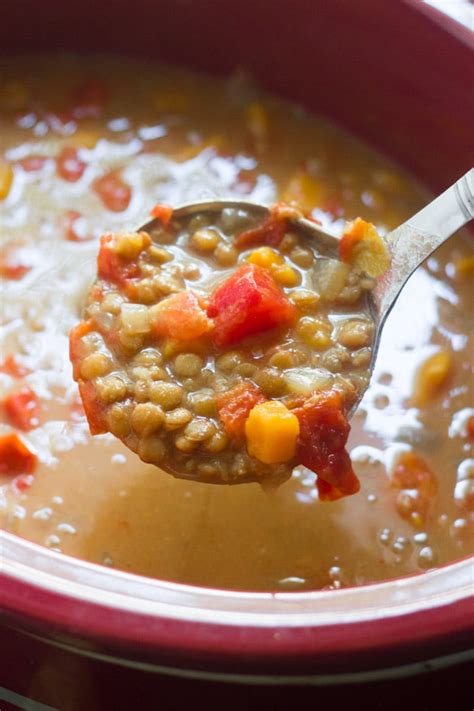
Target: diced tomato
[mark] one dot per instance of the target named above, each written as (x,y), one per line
(32,164)
(412,472)
(111,266)
(93,407)
(89,99)
(234,407)
(181,316)
(74,227)
(15,456)
(75,345)
(22,482)
(248,303)
(349,240)
(10,366)
(162,213)
(271,232)
(417,487)
(12,266)
(69,166)
(324,430)
(23,409)
(113,191)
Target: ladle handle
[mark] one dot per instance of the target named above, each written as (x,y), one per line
(414,241)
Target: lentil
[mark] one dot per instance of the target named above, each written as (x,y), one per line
(167,395)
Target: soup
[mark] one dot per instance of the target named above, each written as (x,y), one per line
(191,362)
(87,146)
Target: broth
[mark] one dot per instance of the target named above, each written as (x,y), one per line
(150,134)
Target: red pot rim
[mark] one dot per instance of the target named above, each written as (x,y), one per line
(374,626)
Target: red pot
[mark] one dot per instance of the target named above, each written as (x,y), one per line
(397,74)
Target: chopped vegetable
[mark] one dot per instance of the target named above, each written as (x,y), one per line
(417,487)
(431,376)
(22,409)
(272,432)
(162,213)
(11,366)
(111,265)
(181,316)
(11,264)
(304,381)
(74,227)
(235,405)
(363,248)
(22,482)
(69,166)
(248,303)
(32,164)
(330,278)
(270,232)
(113,191)
(324,430)
(304,191)
(75,344)
(15,456)
(6,179)
(93,407)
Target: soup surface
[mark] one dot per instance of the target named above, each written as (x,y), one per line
(87,146)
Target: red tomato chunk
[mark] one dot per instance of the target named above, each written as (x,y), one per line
(69,166)
(417,487)
(324,430)
(271,232)
(111,266)
(10,366)
(181,316)
(93,408)
(23,409)
(12,266)
(75,345)
(162,213)
(248,303)
(74,227)
(15,457)
(22,482)
(113,191)
(32,164)
(234,407)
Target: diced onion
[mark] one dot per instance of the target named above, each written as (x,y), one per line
(135,319)
(303,381)
(330,276)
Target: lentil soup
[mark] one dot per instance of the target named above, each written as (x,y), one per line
(86,148)
(225,361)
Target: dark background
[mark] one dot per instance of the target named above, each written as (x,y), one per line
(69,682)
